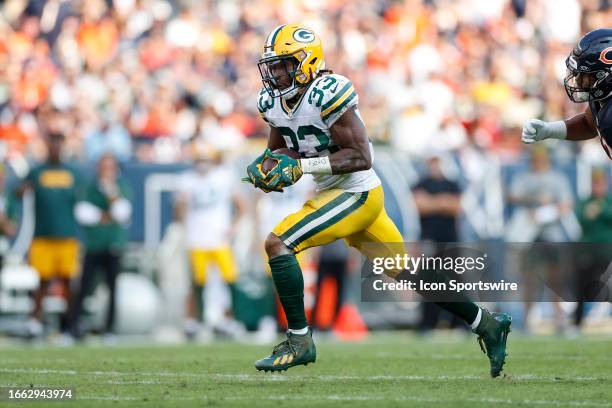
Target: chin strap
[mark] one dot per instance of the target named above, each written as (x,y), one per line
(291,94)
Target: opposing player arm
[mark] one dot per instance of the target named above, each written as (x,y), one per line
(579,127)
(349,133)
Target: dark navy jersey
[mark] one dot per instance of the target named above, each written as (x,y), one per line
(602,112)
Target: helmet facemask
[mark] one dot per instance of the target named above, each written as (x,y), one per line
(282,75)
(585,86)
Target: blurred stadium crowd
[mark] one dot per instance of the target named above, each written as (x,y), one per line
(144,81)
(143,77)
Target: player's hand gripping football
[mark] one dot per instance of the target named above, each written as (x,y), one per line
(273,171)
(255,173)
(535,130)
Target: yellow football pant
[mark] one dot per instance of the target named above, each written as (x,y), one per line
(359,218)
(55,258)
(201,259)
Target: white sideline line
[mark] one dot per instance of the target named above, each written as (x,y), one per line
(136,382)
(367,398)
(283,377)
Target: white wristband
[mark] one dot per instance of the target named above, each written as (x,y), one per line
(316,165)
(556,130)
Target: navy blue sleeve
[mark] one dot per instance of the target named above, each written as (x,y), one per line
(603,119)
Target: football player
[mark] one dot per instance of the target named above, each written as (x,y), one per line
(205,203)
(588,79)
(315,113)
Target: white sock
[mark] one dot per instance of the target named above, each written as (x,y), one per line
(476,321)
(301,332)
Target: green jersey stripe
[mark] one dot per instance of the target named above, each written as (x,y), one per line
(341,106)
(337,96)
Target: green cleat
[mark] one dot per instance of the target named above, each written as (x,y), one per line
(492,334)
(296,350)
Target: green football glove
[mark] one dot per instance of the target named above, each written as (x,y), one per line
(286,172)
(257,177)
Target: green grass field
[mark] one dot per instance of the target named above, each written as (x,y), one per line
(385,370)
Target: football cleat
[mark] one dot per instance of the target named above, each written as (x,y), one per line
(493,333)
(296,350)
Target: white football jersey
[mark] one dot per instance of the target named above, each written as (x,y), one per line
(306,128)
(209,207)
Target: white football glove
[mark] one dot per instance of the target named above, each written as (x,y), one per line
(535,130)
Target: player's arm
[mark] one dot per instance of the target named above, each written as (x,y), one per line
(241,211)
(350,134)
(264,104)
(576,128)
(8,218)
(22,188)
(276,140)
(581,126)
(27,183)
(180,206)
(435,204)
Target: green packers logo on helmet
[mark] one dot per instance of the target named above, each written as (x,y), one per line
(303,35)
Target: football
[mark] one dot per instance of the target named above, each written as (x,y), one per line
(268,163)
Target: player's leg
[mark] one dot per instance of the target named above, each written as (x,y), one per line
(67,252)
(381,238)
(195,299)
(87,280)
(224,258)
(42,260)
(112,261)
(287,276)
(322,220)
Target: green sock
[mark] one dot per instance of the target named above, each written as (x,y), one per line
(233,295)
(465,310)
(461,306)
(289,283)
(198,292)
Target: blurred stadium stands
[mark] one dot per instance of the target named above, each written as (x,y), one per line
(144,77)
